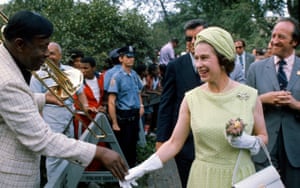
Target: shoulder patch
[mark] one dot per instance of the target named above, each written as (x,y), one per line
(112,82)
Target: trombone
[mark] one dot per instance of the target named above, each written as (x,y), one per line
(67,83)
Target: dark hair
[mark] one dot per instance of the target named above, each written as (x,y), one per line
(192,24)
(242,41)
(152,68)
(261,51)
(89,60)
(27,25)
(225,62)
(296,32)
(175,40)
(114,57)
(75,53)
(140,68)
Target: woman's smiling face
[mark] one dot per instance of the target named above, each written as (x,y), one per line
(207,62)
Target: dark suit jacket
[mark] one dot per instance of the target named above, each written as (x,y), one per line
(262,76)
(180,77)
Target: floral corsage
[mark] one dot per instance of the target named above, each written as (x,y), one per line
(235,127)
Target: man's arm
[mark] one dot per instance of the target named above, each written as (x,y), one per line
(83,100)
(112,111)
(32,132)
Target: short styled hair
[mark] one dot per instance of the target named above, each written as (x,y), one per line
(89,60)
(27,25)
(296,32)
(192,24)
(242,41)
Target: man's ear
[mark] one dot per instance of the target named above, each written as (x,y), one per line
(295,43)
(19,44)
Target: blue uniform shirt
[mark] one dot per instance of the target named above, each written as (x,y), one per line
(108,74)
(127,87)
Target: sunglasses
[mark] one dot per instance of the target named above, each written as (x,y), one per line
(189,38)
(238,47)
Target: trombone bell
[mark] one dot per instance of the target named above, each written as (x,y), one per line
(66,82)
(72,84)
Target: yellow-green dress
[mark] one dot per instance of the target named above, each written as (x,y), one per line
(215,158)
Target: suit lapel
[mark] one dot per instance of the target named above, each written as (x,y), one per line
(294,76)
(187,71)
(248,62)
(272,73)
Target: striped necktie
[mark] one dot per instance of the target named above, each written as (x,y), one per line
(281,76)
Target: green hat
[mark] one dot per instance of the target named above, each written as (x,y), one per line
(220,39)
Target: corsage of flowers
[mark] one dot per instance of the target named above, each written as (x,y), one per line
(235,127)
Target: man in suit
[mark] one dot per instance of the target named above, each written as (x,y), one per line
(181,76)
(242,57)
(238,74)
(281,101)
(24,136)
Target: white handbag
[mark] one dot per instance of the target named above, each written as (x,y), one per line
(265,178)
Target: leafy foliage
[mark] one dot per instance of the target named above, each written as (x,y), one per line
(98,26)
(95,27)
(244,19)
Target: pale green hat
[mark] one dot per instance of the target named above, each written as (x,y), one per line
(220,39)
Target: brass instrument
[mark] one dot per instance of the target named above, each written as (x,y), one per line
(67,83)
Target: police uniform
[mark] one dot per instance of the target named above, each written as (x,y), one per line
(127,88)
(114,55)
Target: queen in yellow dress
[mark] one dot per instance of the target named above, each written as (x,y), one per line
(205,111)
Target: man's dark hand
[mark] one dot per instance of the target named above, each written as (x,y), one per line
(112,161)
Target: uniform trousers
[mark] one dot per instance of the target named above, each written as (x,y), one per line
(128,121)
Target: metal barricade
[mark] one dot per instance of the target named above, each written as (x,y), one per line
(71,174)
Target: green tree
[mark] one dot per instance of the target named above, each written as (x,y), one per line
(293,8)
(96,27)
(244,19)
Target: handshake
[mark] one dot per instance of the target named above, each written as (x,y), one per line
(151,164)
(237,137)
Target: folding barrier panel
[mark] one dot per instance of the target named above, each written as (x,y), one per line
(71,174)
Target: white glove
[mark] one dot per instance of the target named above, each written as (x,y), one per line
(245,141)
(151,164)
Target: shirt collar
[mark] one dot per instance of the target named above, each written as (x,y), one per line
(193,62)
(289,60)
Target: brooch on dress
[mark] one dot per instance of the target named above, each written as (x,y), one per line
(243,96)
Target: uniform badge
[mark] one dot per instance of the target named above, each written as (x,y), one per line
(112,82)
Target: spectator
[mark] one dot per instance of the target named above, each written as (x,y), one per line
(75,56)
(125,105)
(277,80)
(242,57)
(167,52)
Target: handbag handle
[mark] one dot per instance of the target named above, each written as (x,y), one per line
(238,159)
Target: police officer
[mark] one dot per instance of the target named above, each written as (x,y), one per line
(125,104)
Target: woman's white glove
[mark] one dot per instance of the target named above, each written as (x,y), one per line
(151,164)
(245,141)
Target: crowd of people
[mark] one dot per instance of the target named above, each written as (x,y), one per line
(215,82)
